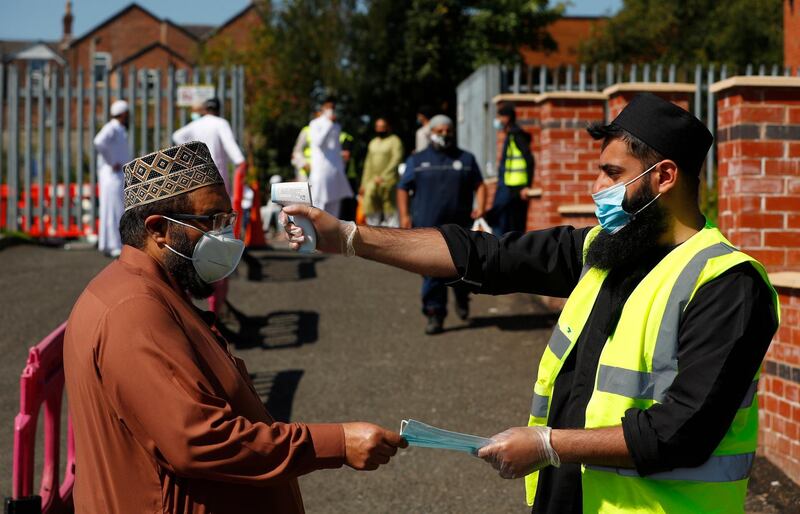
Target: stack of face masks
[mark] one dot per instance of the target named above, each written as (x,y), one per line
(426,436)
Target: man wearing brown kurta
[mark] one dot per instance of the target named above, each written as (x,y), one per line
(166,419)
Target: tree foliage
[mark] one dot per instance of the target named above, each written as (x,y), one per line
(735,32)
(378,57)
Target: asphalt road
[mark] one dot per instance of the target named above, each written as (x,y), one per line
(336,339)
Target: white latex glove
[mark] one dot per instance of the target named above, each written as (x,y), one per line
(520,451)
(333,235)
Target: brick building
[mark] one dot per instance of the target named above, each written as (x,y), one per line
(568,33)
(131,37)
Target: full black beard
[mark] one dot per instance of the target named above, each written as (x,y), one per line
(635,240)
(182,269)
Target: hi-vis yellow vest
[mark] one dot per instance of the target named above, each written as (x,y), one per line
(637,365)
(516,170)
(344,137)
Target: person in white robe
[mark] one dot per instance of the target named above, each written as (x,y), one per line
(216,133)
(111,144)
(328,182)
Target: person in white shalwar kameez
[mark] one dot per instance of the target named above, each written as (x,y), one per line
(328,182)
(216,133)
(111,144)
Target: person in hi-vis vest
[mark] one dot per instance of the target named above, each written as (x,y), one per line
(645,399)
(515,168)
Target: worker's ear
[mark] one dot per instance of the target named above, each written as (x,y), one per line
(666,176)
(156,226)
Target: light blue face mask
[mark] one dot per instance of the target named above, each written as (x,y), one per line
(497,124)
(426,436)
(608,205)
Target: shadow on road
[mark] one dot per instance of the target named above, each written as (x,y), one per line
(277,391)
(512,323)
(268,266)
(279,329)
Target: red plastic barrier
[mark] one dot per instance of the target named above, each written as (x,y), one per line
(51,227)
(42,385)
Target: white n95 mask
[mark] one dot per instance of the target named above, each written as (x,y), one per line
(215,255)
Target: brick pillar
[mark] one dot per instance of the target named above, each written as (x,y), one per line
(567,167)
(758,139)
(619,95)
(527,110)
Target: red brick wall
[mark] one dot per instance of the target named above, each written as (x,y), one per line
(791,33)
(567,165)
(759,172)
(238,33)
(618,101)
(122,37)
(779,390)
(758,139)
(568,33)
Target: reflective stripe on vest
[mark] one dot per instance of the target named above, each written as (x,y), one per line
(637,366)
(343,138)
(307,148)
(516,169)
(718,468)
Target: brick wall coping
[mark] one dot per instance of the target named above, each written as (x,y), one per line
(756,81)
(511,97)
(554,95)
(578,208)
(787,279)
(653,87)
(572,95)
(534,192)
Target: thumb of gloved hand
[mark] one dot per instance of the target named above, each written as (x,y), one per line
(329,237)
(519,451)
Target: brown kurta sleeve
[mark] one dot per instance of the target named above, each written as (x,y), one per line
(175,406)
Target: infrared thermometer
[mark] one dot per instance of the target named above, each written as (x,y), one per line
(293,193)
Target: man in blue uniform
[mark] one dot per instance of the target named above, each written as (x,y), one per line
(441,181)
(514,174)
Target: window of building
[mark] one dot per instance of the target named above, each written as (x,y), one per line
(102,64)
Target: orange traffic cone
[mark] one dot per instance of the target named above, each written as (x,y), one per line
(254,236)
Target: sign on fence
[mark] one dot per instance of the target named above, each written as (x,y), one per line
(189,96)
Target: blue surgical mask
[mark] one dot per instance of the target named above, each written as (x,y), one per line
(497,124)
(608,205)
(195,116)
(426,436)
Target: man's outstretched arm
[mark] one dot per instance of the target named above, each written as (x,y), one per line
(421,250)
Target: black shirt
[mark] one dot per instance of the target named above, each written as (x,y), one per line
(723,337)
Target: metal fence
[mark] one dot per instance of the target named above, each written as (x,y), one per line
(48,166)
(521,79)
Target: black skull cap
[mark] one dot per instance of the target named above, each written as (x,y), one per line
(670,130)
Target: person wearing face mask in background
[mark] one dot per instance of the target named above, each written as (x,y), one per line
(445,182)
(509,211)
(111,144)
(422,138)
(327,179)
(379,180)
(646,397)
(215,131)
(165,418)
